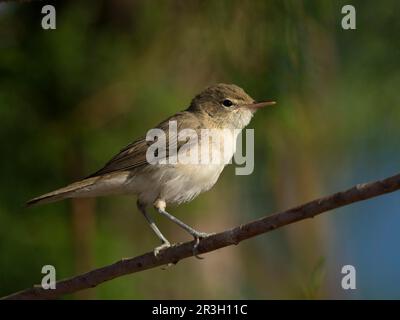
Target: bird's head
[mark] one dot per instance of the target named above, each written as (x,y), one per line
(228,105)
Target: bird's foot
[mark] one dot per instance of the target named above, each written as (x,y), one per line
(197,237)
(164,246)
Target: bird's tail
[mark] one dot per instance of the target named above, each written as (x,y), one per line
(62,193)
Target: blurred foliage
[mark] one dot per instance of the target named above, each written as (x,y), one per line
(72,97)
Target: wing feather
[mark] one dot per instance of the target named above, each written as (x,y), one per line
(134,155)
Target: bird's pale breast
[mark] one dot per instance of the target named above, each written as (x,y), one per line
(177,183)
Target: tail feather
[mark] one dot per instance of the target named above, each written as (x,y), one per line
(62,193)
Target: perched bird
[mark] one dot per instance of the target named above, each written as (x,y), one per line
(221,108)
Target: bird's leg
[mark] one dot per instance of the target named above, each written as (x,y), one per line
(160,207)
(165,243)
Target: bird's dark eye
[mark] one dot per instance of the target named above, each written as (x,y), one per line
(227,103)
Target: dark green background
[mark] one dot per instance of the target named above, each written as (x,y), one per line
(72,97)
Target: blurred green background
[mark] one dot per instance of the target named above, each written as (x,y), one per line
(72,97)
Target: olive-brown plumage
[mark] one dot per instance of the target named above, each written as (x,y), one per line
(218,107)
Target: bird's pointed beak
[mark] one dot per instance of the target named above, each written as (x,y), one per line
(259,105)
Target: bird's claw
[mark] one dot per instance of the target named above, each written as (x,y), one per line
(197,237)
(164,246)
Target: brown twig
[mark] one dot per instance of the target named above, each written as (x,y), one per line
(223,239)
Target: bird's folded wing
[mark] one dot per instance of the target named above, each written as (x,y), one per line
(134,154)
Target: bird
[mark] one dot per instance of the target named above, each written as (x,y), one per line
(220,108)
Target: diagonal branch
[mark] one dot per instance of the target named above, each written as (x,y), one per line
(223,239)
